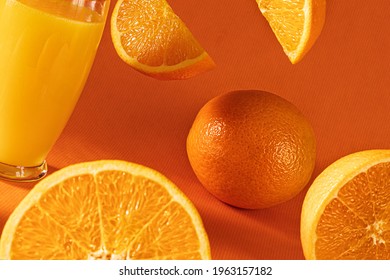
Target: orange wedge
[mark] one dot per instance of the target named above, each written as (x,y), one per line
(346,212)
(296,23)
(105,210)
(151,38)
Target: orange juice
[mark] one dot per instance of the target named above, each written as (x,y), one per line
(46,53)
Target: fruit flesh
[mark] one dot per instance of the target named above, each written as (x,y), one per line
(356,223)
(296,24)
(121,221)
(151,38)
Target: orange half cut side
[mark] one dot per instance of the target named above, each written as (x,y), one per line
(346,212)
(105,210)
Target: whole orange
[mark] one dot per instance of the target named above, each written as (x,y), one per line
(251,149)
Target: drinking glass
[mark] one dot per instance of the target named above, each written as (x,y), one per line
(47,48)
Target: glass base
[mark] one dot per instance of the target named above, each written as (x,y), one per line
(22,173)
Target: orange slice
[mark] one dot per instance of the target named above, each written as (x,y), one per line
(346,212)
(151,38)
(296,23)
(105,210)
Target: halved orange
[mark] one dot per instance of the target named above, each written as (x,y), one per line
(151,38)
(346,211)
(296,23)
(105,210)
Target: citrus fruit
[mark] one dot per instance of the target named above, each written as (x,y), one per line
(296,23)
(251,149)
(105,210)
(151,38)
(346,211)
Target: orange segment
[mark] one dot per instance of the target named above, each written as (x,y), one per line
(151,38)
(346,212)
(296,23)
(105,210)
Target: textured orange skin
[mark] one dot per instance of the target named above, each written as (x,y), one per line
(251,149)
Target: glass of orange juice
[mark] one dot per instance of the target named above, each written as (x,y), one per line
(47,48)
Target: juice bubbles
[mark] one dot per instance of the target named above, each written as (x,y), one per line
(46,51)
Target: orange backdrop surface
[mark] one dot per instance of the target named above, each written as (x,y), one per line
(342,86)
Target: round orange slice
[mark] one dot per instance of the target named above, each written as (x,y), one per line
(105,210)
(296,24)
(151,38)
(346,211)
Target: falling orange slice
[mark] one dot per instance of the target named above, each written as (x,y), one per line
(346,212)
(296,23)
(105,210)
(151,38)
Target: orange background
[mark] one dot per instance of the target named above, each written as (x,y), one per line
(341,85)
